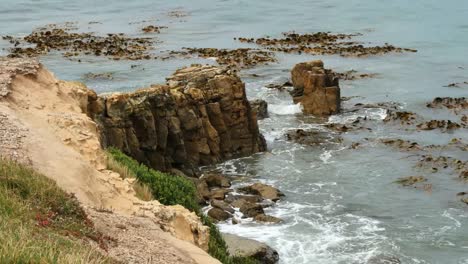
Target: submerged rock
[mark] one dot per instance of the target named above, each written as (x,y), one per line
(316,88)
(200,117)
(265,191)
(312,137)
(411,180)
(244,247)
(383,259)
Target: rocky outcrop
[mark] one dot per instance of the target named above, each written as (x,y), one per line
(200,117)
(45,122)
(244,247)
(316,88)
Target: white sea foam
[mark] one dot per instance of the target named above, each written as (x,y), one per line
(285,109)
(326,156)
(369,114)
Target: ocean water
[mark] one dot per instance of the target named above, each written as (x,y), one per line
(341,204)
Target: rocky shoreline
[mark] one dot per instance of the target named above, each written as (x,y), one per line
(201,116)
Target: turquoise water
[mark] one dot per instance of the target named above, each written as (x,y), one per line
(341,204)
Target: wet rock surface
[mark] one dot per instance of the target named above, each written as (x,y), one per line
(315,88)
(244,247)
(260,107)
(218,214)
(323,43)
(200,117)
(251,209)
(267,219)
(265,191)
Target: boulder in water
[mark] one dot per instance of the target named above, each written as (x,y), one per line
(244,247)
(316,88)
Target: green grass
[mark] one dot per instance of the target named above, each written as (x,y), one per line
(40,223)
(172,190)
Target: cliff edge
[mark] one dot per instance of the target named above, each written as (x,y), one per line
(44,123)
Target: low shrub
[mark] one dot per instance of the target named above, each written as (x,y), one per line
(172,190)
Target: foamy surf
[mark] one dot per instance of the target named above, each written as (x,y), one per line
(285,109)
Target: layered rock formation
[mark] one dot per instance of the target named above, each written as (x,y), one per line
(316,88)
(201,116)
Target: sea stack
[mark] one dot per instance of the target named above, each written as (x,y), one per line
(316,88)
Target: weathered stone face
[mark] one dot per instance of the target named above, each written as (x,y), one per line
(316,88)
(200,117)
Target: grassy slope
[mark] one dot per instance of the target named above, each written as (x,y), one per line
(171,190)
(40,223)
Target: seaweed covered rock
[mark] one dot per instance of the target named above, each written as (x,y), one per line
(316,88)
(200,117)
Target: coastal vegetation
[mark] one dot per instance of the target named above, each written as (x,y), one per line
(171,190)
(40,223)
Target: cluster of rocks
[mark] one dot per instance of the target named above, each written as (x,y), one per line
(322,43)
(235,58)
(404,117)
(455,104)
(315,88)
(200,117)
(409,118)
(444,125)
(436,163)
(153,29)
(401,144)
(311,137)
(214,189)
(114,46)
